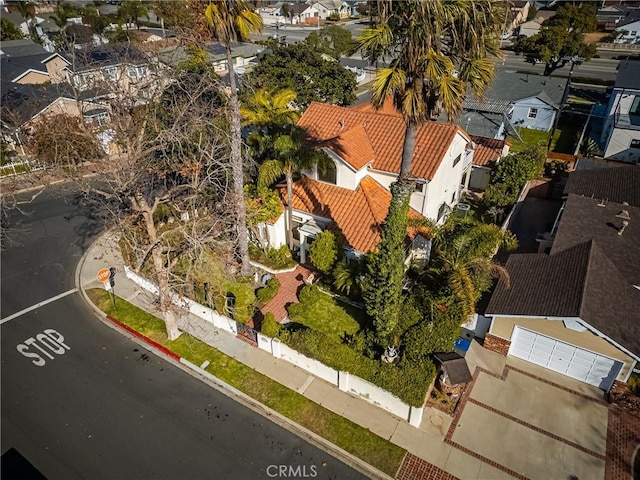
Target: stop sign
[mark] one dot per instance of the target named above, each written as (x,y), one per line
(104,275)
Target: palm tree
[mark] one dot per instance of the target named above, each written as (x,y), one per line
(462,258)
(271,113)
(437,49)
(290,156)
(233,20)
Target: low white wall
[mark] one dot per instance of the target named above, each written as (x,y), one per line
(343,380)
(374,395)
(312,366)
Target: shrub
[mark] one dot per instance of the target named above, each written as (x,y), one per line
(309,293)
(270,327)
(406,380)
(269,291)
(334,17)
(245,299)
(324,251)
(634,383)
(275,258)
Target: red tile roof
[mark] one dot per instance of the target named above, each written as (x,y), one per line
(384,131)
(357,214)
(488,150)
(353,146)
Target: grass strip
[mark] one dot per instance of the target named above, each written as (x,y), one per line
(349,436)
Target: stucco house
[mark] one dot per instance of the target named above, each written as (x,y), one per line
(574,308)
(326,8)
(118,67)
(621,129)
(24,61)
(365,147)
(524,101)
(24,104)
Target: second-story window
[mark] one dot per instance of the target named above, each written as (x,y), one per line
(138,71)
(457,159)
(533,113)
(111,73)
(328,173)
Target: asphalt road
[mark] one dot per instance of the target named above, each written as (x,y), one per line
(80,400)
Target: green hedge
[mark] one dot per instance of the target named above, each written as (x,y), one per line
(408,381)
(270,327)
(269,291)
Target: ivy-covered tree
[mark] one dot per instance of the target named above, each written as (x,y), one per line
(324,251)
(512,173)
(561,37)
(312,75)
(382,286)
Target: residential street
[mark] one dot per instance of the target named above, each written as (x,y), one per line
(80,400)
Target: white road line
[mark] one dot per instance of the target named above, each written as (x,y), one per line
(38,305)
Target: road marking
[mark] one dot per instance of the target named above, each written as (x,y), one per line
(38,305)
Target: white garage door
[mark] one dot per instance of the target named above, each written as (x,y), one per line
(564,358)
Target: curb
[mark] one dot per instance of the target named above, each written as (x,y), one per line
(223,387)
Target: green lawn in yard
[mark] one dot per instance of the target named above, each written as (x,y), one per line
(529,137)
(349,436)
(330,316)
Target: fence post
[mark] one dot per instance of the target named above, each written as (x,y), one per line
(275,348)
(343,380)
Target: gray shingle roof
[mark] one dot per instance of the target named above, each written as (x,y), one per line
(511,87)
(21,48)
(614,184)
(628,74)
(590,272)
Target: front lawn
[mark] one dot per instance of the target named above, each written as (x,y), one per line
(349,436)
(326,314)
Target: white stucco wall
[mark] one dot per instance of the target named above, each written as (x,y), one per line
(445,185)
(544,118)
(632,34)
(277,232)
(618,146)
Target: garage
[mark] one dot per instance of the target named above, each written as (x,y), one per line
(564,358)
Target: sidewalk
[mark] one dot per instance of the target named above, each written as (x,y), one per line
(426,443)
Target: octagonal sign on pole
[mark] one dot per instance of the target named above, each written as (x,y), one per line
(104,275)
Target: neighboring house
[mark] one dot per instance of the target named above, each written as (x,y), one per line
(530,28)
(527,101)
(609,16)
(352,195)
(575,309)
(518,12)
(120,68)
(628,31)
(23,105)
(304,13)
(273,14)
(487,152)
(24,61)
(326,8)
(243,54)
(621,129)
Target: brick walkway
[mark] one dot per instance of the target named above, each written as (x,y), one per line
(623,437)
(415,468)
(290,285)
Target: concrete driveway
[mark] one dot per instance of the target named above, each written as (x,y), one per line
(529,422)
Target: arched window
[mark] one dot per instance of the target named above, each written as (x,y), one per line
(328,173)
